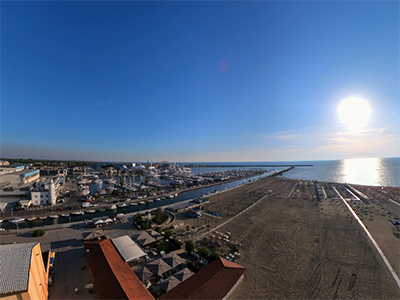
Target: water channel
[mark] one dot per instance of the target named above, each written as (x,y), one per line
(182,196)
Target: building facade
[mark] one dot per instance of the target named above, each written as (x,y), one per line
(23,273)
(45,193)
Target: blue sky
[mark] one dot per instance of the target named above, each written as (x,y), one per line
(197,81)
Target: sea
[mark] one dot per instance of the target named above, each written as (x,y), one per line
(364,171)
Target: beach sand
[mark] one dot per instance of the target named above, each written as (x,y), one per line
(295,247)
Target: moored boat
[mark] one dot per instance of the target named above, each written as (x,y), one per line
(133,204)
(17,220)
(122,205)
(149,201)
(90,211)
(98,181)
(31,219)
(112,207)
(101,209)
(157,199)
(77,213)
(142,203)
(65,215)
(54,216)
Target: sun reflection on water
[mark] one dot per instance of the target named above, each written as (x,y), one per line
(362,170)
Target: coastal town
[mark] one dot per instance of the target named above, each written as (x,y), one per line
(202,150)
(143,239)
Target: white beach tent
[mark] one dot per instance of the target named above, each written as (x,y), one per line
(98,222)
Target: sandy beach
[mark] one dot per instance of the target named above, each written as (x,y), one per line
(294,246)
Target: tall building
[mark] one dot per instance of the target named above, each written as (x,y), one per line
(45,193)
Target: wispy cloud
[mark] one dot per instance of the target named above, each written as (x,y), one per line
(322,143)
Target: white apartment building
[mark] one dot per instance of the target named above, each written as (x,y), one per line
(45,193)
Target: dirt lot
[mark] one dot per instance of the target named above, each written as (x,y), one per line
(296,247)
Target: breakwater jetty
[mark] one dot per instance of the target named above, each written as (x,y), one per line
(248,166)
(282,171)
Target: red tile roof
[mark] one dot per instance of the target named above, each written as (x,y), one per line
(112,276)
(213,281)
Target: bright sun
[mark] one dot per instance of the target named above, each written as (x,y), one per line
(354,112)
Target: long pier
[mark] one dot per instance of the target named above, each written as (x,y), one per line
(282,171)
(242,166)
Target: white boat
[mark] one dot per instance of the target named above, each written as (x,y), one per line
(90,211)
(54,216)
(83,181)
(142,203)
(157,199)
(42,218)
(111,181)
(1,221)
(133,204)
(112,207)
(149,201)
(17,220)
(102,192)
(65,215)
(83,190)
(109,190)
(98,181)
(171,196)
(31,219)
(122,205)
(77,213)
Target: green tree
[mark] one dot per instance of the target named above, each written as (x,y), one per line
(38,232)
(214,256)
(190,246)
(203,252)
(168,233)
(138,217)
(160,215)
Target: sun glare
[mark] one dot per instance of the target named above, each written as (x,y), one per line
(354,112)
